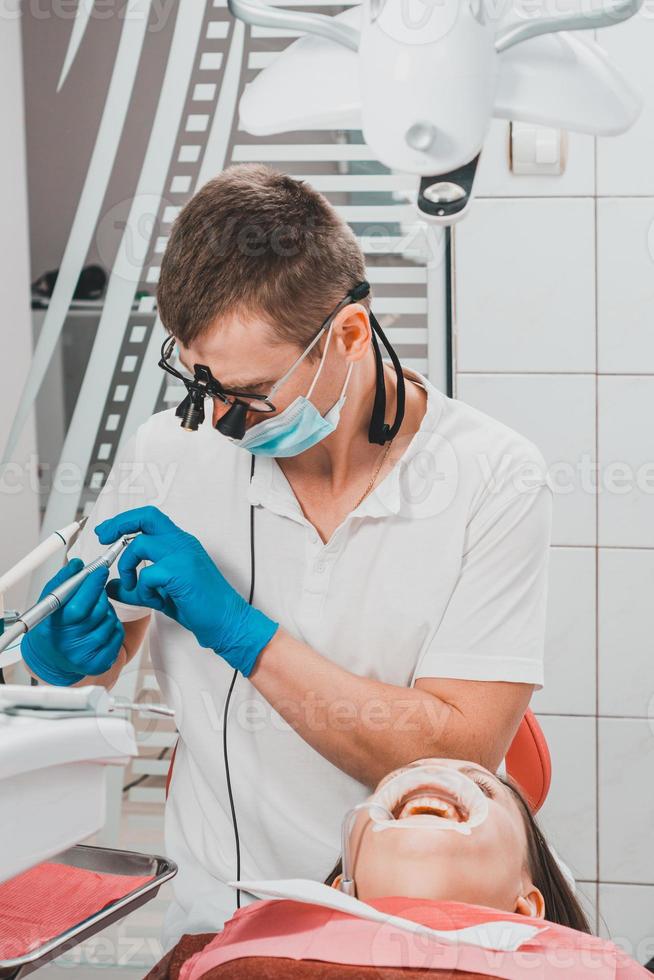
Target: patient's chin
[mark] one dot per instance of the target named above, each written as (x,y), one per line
(450,886)
(398,863)
(444,866)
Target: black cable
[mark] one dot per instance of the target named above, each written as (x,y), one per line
(237,842)
(449,301)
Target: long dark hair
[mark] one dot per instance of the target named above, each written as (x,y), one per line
(561,904)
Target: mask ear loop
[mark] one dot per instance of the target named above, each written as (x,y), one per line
(308,350)
(322,364)
(322,361)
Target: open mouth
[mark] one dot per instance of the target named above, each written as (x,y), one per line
(429,796)
(430,801)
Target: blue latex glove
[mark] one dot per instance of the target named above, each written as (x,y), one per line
(184,583)
(83,637)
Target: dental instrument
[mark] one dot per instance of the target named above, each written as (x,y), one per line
(61,593)
(65,536)
(56,702)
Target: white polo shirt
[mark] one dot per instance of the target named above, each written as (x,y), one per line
(440,572)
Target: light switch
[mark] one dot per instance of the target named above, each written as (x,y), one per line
(537,149)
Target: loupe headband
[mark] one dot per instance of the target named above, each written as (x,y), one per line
(233,422)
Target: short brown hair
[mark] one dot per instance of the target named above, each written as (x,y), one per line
(257,241)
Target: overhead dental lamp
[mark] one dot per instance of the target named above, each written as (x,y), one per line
(423,78)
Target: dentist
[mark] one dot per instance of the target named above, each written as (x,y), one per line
(393,543)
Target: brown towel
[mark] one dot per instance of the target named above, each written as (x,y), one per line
(279,968)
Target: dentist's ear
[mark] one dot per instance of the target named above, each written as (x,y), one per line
(531,904)
(352,329)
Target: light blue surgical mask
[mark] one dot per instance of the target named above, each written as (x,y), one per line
(300,425)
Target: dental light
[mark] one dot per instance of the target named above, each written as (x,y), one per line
(423,78)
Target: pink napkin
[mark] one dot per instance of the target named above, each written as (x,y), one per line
(49,899)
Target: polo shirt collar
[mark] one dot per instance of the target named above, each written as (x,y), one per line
(414,487)
(423,468)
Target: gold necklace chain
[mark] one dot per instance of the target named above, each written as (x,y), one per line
(374,476)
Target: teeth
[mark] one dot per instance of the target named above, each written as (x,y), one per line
(416,795)
(431,805)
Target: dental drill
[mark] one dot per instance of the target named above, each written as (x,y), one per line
(61,593)
(347,880)
(63,537)
(69,702)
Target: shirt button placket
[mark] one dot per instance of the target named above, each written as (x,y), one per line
(316,578)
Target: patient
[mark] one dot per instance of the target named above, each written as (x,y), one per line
(467,886)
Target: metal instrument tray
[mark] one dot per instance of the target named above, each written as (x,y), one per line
(104,860)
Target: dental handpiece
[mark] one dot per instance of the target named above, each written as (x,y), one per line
(21,699)
(58,596)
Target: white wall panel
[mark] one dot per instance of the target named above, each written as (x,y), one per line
(557,412)
(625,164)
(625,285)
(19,490)
(525,298)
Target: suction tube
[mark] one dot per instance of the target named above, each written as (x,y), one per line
(347,880)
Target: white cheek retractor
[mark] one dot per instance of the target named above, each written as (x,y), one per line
(436,798)
(432,790)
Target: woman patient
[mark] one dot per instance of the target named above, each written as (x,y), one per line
(444,872)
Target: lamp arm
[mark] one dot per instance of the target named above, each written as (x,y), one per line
(263,15)
(610,14)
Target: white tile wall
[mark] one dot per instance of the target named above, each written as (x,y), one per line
(532,307)
(627,917)
(557,412)
(570,637)
(569,814)
(626,800)
(496,179)
(626,461)
(625,164)
(554,335)
(626,632)
(587,893)
(625,285)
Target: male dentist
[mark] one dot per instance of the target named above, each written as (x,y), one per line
(394,540)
